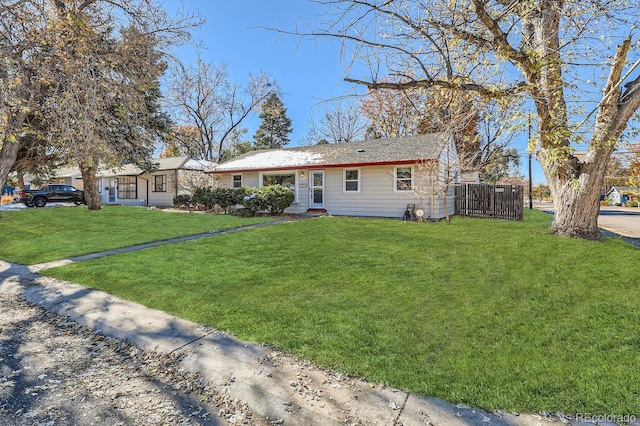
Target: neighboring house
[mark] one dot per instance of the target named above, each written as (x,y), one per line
(62,176)
(130,185)
(619,194)
(68,176)
(368,178)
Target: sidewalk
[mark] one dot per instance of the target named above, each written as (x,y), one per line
(276,386)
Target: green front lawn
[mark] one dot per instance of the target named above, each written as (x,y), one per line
(488,313)
(40,235)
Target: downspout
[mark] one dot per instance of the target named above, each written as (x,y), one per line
(176,181)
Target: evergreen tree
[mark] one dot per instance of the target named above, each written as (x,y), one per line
(275,127)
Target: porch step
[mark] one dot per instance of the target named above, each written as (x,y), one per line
(317,211)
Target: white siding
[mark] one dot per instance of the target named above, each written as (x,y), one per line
(111,182)
(376,196)
(301,203)
(157,198)
(252,180)
(448,176)
(249,180)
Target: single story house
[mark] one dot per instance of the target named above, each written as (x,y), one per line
(68,176)
(619,194)
(130,185)
(378,177)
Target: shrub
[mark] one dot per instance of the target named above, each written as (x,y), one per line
(632,204)
(277,198)
(253,202)
(183,201)
(204,198)
(272,199)
(227,197)
(269,199)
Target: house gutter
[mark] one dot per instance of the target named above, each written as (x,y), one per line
(325,166)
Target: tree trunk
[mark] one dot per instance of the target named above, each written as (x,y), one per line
(10,145)
(576,196)
(20,179)
(576,211)
(91,195)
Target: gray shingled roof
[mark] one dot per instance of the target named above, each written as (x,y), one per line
(403,149)
(169,163)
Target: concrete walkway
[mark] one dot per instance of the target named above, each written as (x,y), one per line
(42,266)
(279,387)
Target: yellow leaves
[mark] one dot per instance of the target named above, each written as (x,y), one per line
(75,21)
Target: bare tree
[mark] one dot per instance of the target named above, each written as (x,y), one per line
(478,125)
(203,97)
(393,113)
(190,180)
(435,181)
(339,122)
(548,51)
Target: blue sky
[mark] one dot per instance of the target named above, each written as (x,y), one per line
(308,71)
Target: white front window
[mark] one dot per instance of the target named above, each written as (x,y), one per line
(352,180)
(288,180)
(403,178)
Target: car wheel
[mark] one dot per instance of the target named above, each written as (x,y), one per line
(28,204)
(40,202)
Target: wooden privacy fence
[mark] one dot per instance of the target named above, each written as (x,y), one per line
(493,201)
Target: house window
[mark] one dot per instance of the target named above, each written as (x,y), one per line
(160,183)
(127,187)
(352,180)
(236,181)
(404,178)
(99,185)
(286,180)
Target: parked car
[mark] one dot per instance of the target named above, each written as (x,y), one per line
(58,193)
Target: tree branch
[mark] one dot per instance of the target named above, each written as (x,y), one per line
(484,91)
(500,39)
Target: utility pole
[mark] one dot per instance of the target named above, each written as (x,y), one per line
(530,178)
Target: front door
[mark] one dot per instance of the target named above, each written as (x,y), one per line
(112,191)
(316,193)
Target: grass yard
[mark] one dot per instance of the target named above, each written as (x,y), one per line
(40,235)
(488,313)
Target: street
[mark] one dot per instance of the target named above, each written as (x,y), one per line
(624,221)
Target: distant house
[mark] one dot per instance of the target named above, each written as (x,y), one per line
(369,178)
(130,185)
(619,194)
